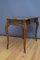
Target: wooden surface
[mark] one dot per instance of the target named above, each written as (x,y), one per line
(15,51)
(24,18)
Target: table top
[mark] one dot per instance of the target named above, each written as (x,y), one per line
(26,18)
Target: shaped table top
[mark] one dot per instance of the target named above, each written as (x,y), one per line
(26,18)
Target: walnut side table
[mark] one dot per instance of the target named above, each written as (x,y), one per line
(23,22)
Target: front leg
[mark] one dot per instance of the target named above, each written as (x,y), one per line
(6,29)
(24,35)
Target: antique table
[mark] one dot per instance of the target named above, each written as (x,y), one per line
(23,22)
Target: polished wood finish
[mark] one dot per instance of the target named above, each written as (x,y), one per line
(15,51)
(23,23)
